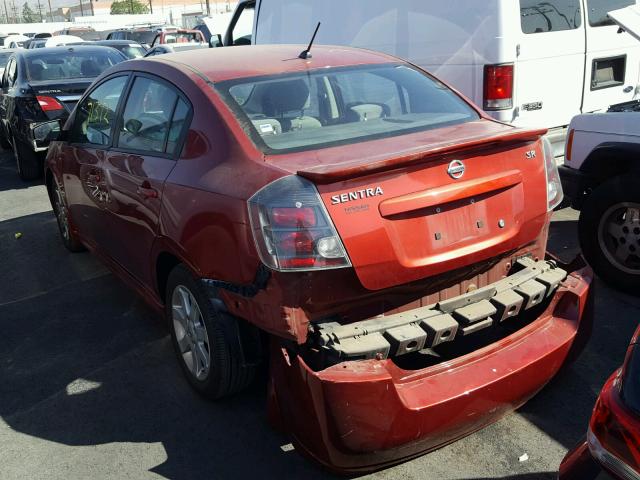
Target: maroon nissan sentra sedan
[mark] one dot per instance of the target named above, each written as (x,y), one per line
(347,217)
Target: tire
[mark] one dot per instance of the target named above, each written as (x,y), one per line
(226,373)
(28,161)
(69,239)
(609,232)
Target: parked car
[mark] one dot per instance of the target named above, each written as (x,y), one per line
(144,36)
(128,48)
(62,40)
(600,175)
(386,237)
(531,63)
(43,85)
(15,41)
(173,48)
(612,447)
(85,33)
(178,36)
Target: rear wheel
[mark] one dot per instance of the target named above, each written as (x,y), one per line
(61,212)
(609,230)
(28,161)
(208,359)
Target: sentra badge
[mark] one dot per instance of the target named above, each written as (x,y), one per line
(356,195)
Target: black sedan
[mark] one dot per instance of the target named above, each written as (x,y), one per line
(43,85)
(129,48)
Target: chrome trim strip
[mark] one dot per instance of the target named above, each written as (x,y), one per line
(69,98)
(609,460)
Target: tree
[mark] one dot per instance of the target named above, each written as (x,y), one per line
(120,7)
(28,15)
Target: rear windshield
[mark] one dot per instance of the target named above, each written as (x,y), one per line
(178,37)
(142,37)
(342,105)
(70,64)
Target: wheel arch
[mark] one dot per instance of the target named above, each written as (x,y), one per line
(611,159)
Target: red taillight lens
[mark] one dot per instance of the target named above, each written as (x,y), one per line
(498,87)
(292,228)
(48,104)
(294,217)
(569,148)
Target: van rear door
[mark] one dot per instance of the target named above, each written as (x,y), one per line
(550,65)
(613,58)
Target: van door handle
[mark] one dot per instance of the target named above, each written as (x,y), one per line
(146,191)
(627,89)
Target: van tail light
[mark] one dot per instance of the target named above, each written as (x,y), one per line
(292,229)
(48,104)
(498,87)
(569,148)
(554,185)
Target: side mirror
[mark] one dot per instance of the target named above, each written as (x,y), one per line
(133,125)
(47,132)
(215,41)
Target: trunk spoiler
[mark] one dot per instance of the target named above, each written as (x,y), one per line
(330,173)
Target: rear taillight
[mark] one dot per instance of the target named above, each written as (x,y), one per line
(292,228)
(554,185)
(630,384)
(48,104)
(498,87)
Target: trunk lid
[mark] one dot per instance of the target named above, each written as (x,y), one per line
(456,196)
(67,93)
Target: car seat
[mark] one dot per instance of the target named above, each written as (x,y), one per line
(286,101)
(89,68)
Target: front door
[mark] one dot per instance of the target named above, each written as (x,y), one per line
(146,145)
(89,139)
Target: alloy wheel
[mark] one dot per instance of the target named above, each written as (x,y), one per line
(619,236)
(61,212)
(191,332)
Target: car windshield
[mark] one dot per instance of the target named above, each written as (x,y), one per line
(143,37)
(336,106)
(68,64)
(131,51)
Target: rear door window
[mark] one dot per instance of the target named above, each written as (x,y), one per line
(153,119)
(550,15)
(598,10)
(96,114)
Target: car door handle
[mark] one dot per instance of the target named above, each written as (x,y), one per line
(146,191)
(628,89)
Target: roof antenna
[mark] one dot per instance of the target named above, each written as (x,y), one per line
(307,52)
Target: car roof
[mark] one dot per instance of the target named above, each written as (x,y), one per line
(51,50)
(114,42)
(227,63)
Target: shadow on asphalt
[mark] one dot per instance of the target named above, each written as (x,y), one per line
(9,179)
(84,362)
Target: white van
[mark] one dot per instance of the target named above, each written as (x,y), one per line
(527,62)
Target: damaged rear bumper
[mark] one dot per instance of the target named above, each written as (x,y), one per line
(363,415)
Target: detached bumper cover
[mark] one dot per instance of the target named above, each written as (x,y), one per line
(367,414)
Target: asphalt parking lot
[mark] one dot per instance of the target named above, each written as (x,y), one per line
(89,387)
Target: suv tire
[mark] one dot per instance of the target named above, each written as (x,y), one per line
(609,232)
(196,326)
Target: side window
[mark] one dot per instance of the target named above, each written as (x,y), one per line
(96,114)
(549,15)
(180,116)
(244,26)
(147,117)
(598,10)
(12,72)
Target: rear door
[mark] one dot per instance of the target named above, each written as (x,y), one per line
(612,60)
(90,136)
(550,63)
(150,132)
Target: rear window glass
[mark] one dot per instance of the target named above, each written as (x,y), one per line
(550,15)
(142,37)
(342,105)
(70,64)
(598,10)
(192,37)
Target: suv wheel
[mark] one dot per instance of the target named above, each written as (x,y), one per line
(210,362)
(29,167)
(61,212)
(609,230)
